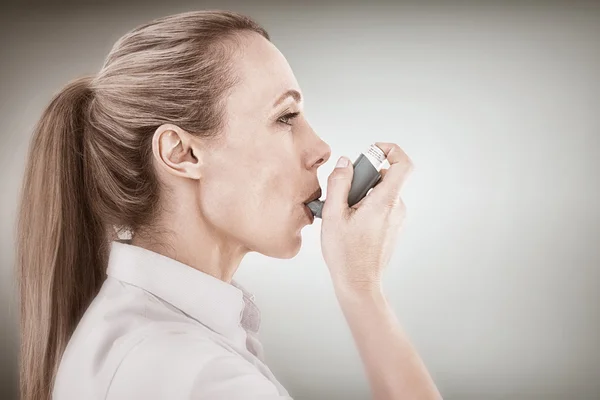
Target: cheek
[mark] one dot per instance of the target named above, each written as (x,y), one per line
(225,200)
(277,203)
(237,198)
(254,205)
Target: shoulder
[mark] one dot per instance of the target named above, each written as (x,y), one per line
(179,365)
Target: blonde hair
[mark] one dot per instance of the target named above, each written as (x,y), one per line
(89,168)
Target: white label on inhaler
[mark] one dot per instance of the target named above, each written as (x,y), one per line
(375,155)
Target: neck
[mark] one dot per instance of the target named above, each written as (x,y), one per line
(198,245)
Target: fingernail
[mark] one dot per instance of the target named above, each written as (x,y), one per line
(342,162)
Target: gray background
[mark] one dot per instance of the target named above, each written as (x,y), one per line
(496,274)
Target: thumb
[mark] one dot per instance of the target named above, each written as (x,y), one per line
(338,187)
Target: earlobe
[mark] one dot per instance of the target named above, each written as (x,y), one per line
(172,148)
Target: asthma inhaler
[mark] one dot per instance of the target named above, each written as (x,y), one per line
(366,176)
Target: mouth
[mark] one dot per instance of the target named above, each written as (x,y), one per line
(308,213)
(314,196)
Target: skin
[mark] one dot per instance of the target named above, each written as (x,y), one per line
(246,190)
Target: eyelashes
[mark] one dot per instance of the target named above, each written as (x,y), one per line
(287,118)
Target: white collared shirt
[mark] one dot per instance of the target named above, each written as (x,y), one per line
(159,329)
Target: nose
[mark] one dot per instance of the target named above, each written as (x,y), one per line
(322,153)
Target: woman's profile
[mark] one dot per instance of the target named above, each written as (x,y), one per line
(191,139)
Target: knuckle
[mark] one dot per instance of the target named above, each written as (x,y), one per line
(401,204)
(337,174)
(333,176)
(393,202)
(404,158)
(404,164)
(409,163)
(396,155)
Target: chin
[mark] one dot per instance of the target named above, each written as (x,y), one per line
(283,249)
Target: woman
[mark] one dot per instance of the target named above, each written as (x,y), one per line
(192,138)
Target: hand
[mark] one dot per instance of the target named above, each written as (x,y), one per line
(357,241)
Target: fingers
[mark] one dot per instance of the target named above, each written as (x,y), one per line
(387,191)
(382,172)
(338,187)
(393,152)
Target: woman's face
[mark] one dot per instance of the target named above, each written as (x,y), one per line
(257,177)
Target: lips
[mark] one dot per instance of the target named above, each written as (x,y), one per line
(314,196)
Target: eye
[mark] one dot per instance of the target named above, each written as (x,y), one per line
(285,119)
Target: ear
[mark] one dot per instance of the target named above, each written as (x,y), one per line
(174,150)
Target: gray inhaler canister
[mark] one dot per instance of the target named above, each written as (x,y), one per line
(366,175)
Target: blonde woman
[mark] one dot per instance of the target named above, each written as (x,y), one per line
(192,136)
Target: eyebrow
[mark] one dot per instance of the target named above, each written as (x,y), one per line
(290,93)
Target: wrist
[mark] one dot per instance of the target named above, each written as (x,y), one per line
(357,290)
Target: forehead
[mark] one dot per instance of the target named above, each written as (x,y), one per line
(263,74)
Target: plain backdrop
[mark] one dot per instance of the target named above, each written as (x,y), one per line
(496,274)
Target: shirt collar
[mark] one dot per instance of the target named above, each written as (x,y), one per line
(227,309)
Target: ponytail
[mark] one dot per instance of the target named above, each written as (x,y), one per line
(61,244)
(90,169)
